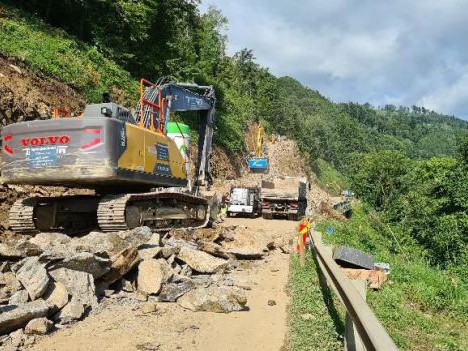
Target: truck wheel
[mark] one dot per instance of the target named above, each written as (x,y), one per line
(292,217)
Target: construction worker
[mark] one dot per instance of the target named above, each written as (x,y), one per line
(225,200)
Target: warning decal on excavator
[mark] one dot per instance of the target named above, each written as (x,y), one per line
(39,157)
(163,152)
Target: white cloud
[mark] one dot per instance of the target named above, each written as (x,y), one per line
(381,52)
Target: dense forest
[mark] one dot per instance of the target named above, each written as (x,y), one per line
(407,162)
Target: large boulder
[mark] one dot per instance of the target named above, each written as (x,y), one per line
(55,246)
(170,292)
(78,284)
(214,299)
(18,249)
(38,326)
(151,274)
(87,262)
(245,253)
(201,261)
(122,263)
(73,311)
(97,242)
(56,295)
(112,243)
(33,276)
(46,241)
(213,249)
(8,285)
(136,237)
(208,234)
(179,243)
(247,244)
(148,251)
(14,317)
(19,298)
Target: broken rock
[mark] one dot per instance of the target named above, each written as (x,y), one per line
(86,262)
(246,253)
(213,249)
(247,244)
(47,240)
(147,251)
(9,284)
(122,263)
(33,276)
(38,326)
(14,341)
(149,307)
(214,299)
(13,317)
(78,284)
(56,295)
(170,292)
(19,298)
(98,242)
(73,311)
(150,276)
(201,261)
(19,249)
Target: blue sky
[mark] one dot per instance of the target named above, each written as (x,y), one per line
(398,52)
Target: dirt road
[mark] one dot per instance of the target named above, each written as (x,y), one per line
(122,324)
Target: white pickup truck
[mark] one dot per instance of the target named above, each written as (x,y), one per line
(244,201)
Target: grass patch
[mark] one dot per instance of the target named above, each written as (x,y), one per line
(56,53)
(422,307)
(314,322)
(328,178)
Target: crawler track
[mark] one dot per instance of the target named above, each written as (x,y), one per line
(22,216)
(159,210)
(123,212)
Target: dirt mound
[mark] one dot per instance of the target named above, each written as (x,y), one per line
(25,95)
(225,164)
(286,159)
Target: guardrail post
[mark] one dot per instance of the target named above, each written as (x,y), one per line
(352,340)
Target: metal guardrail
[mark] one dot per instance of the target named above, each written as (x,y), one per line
(370,330)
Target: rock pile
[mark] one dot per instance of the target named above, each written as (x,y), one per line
(51,280)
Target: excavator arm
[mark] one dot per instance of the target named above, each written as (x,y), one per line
(158,101)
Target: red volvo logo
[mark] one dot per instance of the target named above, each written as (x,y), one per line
(48,140)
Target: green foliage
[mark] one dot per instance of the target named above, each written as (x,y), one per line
(376,176)
(422,307)
(315,316)
(329,178)
(433,207)
(54,52)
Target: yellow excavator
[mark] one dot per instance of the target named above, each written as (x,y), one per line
(137,164)
(259,163)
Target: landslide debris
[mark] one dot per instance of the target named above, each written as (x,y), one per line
(26,95)
(64,279)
